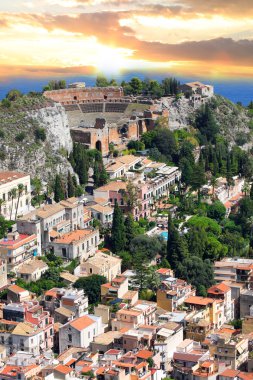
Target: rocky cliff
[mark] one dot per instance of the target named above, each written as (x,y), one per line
(235,121)
(35,138)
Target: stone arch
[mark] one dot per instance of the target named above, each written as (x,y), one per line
(99,145)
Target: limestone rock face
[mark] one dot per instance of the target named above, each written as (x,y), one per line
(39,158)
(55,121)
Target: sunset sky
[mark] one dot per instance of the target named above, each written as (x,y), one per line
(65,37)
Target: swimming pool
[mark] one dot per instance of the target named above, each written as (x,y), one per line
(164,235)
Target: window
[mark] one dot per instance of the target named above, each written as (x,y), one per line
(70,337)
(64,252)
(90,270)
(89,335)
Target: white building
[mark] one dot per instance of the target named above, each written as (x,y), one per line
(80,332)
(50,221)
(12,197)
(76,244)
(167,339)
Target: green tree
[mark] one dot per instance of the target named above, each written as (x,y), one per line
(177,249)
(197,241)
(198,179)
(129,229)
(147,246)
(135,86)
(216,211)
(118,236)
(141,272)
(2,203)
(208,224)
(59,193)
(101,81)
(55,85)
(13,95)
(206,123)
(197,272)
(13,194)
(91,286)
(5,225)
(40,134)
(37,186)
(70,186)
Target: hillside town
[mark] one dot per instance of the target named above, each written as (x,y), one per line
(137,263)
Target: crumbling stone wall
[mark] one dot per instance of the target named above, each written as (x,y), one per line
(81,95)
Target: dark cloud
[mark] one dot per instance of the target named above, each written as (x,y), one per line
(219,50)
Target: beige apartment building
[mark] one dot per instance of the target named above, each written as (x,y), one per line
(102,263)
(50,221)
(77,244)
(9,182)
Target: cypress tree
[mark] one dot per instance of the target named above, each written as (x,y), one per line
(177,249)
(58,189)
(129,229)
(70,186)
(118,236)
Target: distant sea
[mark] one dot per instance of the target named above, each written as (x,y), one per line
(235,90)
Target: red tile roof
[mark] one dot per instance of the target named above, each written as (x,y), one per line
(144,354)
(82,323)
(63,369)
(202,301)
(230,373)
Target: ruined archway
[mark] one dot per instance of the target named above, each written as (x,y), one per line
(99,145)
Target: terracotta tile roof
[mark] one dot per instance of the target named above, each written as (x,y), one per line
(86,368)
(23,328)
(230,373)
(73,236)
(82,323)
(124,365)
(21,240)
(51,292)
(207,364)
(144,354)
(63,369)
(114,185)
(70,202)
(16,289)
(219,288)
(102,209)
(49,210)
(112,352)
(202,301)
(69,276)
(8,176)
(245,376)
(164,271)
(128,159)
(71,361)
(129,312)
(32,267)
(186,357)
(101,201)
(65,312)
(141,365)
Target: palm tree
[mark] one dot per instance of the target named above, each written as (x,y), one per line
(2,202)
(214,183)
(13,194)
(20,191)
(37,188)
